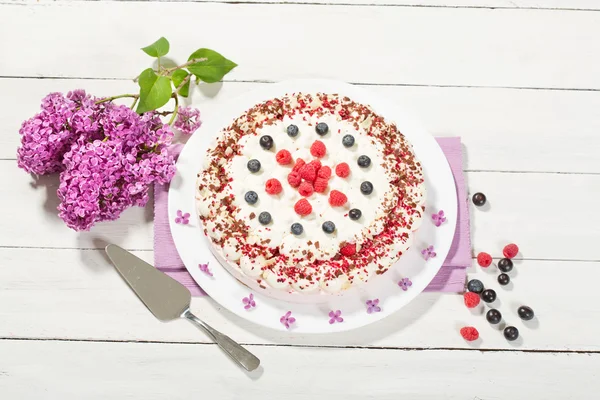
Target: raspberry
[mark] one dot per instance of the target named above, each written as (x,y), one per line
(299,164)
(337,198)
(273,186)
(324,172)
(320,185)
(294,179)
(484,259)
(302,207)
(307,172)
(471,299)
(342,170)
(283,157)
(510,250)
(348,250)
(318,149)
(305,189)
(316,164)
(469,333)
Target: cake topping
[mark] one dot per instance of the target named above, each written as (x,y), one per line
(342,170)
(348,140)
(308,172)
(337,198)
(298,164)
(251,197)
(364,161)
(354,214)
(292,130)
(302,207)
(306,189)
(324,172)
(253,165)
(321,184)
(321,129)
(366,187)
(297,229)
(266,142)
(264,218)
(283,157)
(348,250)
(318,149)
(316,164)
(273,186)
(294,179)
(328,227)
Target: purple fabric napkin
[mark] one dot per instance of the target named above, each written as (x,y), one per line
(451,277)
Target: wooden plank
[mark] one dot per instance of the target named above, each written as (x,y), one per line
(530,125)
(47,282)
(104,371)
(468,47)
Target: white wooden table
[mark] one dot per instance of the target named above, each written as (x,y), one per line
(518,80)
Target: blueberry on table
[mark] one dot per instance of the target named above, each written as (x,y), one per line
(348,140)
(321,129)
(366,187)
(266,142)
(505,265)
(297,229)
(253,165)
(264,218)
(328,227)
(251,197)
(488,295)
(493,316)
(364,161)
(479,199)
(503,279)
(511,333)
(355,214)
(475,286)
(292,130)
(525,313)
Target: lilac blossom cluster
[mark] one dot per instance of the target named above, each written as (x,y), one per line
(107,155)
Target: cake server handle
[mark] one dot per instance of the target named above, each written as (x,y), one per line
(240,355)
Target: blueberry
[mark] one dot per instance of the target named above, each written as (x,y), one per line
(364,161)
(366,187)
(475,286)
(253,165)
(266,142)
(328,227)
(297,229)
(292,130)
(493,316)
(505,265)
(511,333)
(321,129)
(488,295)
(348,141)
(479,199)
(264,218)
(355,214)
(525,313)
(503,279)
(251,197)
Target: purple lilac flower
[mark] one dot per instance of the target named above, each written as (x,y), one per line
(428,253)
(438,218)
(249,302)
(372,306)
(182,218)
(204,268)
(335,316)
(188,120)
(405,283)
(287,319)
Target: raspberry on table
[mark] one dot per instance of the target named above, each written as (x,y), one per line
(283,157)
(299,164)
(324,172)
(471,299)
(308,172)
(320,185)
(318,149)
(510,250)
(273,186)
(302,207)
(469,333)
(484,259)
(294,179)
(306,189)
(348,250)
(342,170)
(337,198)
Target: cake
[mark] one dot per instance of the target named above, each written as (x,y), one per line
(310,194)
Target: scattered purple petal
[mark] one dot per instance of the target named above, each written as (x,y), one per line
(438,218)
(428,253)
(405,283)
(182,218)
(335,316)
(204,268)
(287,319)
(372,306)
(188,120)
(249,302)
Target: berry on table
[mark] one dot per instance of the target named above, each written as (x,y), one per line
(297,229)
(324,172)
(469,333)
(266,142)
(320,185)
(366,187)
(484,259)
(493,316)
(251,197)
(348,140)
(503,279)
(292,130)
(505,265)
(354,214)
(475,286)
(302,207)
(253,165)
(283,157)
(471,299)
(294,179)
(264,218)
(318,149)
(328,227)
(510,250)
(525,313)
(348,250)
(363,161)
(321,129)
(479,199)
(273,186)
(488,295)
(306,189)
(342,170)
(511,333)
(337,198)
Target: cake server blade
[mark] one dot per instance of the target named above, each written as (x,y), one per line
(168,299)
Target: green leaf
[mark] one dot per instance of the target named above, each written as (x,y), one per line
(157,49)
(155,91)
(213,69)
(178,77)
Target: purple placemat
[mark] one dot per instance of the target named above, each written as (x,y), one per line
(451,277)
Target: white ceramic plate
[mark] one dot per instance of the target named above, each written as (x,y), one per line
(193,246)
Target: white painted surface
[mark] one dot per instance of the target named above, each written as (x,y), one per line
(532,151)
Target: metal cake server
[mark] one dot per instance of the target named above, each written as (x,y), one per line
(168,299)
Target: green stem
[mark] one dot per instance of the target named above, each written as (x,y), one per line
(168,71)
(136,96)
(175,110)
(134,102)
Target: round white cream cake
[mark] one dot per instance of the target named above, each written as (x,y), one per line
(335,200)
